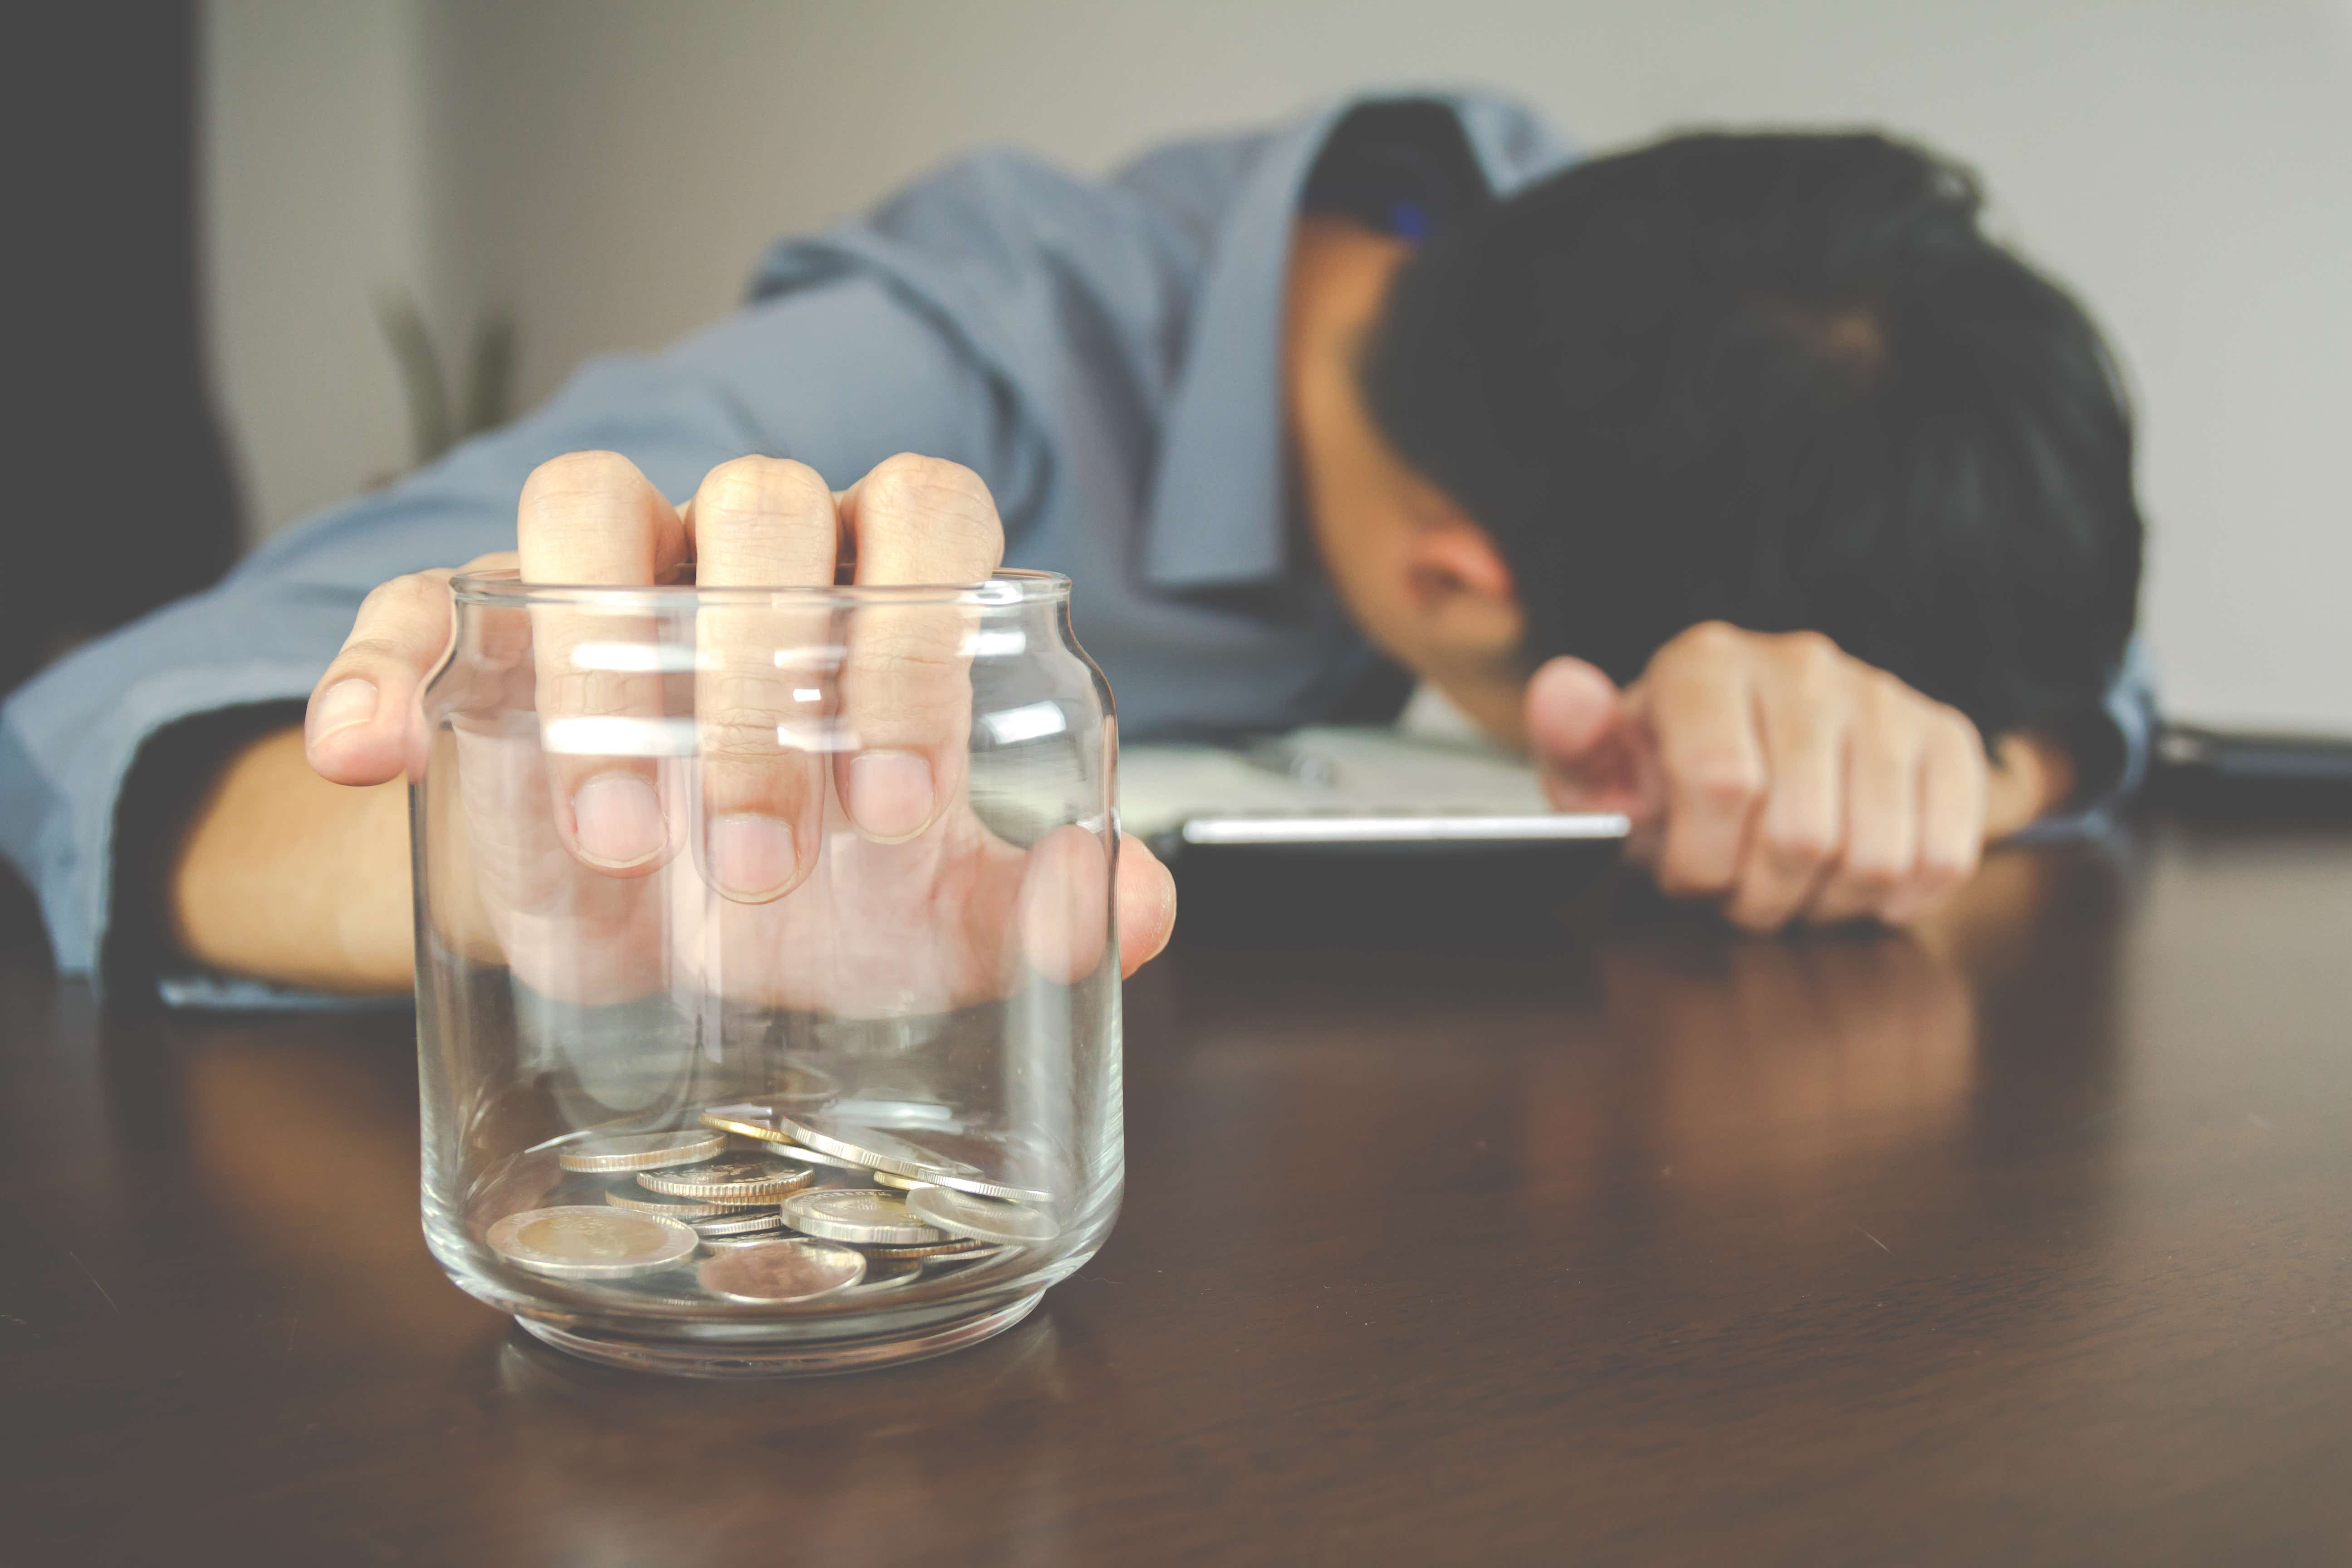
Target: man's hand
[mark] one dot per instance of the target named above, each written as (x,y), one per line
(1783,779)
(801,861)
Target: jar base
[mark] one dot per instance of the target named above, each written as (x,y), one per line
(804,1359)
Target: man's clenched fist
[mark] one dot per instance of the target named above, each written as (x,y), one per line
(1777,775)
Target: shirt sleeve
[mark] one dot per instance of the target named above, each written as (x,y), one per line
(838,375)
(2128,718)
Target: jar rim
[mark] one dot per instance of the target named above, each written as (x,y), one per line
(1008,585)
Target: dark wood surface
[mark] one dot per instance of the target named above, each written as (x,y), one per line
(1633,1243)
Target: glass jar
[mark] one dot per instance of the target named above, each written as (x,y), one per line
(707,1096)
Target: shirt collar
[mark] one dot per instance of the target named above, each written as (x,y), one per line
(1218,494)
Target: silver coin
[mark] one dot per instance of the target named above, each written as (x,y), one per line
(982,1219)
(739,1222)
(750,1178)
(966,1259)
(885,1273)
(714,1245)
(580,1241)
(954,1249)
(872,1147)
(859,1214)
(754,1116)
(819,1157)
(796,1270)
(986,1152)
(608,1152)
(660,1290)
(688,1209)
(896,1182)
(945,1157)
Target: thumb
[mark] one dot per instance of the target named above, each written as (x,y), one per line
(1587,742)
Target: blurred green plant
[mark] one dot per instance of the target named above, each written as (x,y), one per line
(439,417)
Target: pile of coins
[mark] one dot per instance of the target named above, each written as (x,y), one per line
(782,1218)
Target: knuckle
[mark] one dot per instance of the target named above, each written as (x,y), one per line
(1957,732)
(1722,781)
(398,617)
(1811,648)
(911,481)
(1800,844)
(370,649)
(588,692)
(741,735)
(400,594)
(1947,865)
(1873,874)
(949,504)
(1814,667)
(1678,879)
(579,473)
(1887,697)
(1706,640)
(905,649)
(743,689)
(758,486)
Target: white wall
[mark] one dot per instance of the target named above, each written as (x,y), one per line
(312,197)
(611,170)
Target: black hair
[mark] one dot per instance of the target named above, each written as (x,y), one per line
(1784,381)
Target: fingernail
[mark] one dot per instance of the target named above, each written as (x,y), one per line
(617,821)
(345,704)
(751,856)
(891,793)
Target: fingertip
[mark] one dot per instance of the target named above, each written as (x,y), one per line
(892,795)
(344,738)
(618,822)
(1147,904)
(753,858)
(1570,705)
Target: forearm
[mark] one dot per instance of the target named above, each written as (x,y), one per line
(287,877)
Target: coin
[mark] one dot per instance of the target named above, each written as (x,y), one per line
(580,1241)
(885,1273)
(718,1243)
(939,1159)
(979,1254)
(901,1184)
(639,1150)
(797,1088)
(871,1147)
(756,1118)
(952,1249)
(796,1270)
(979,1153)
(747,1177)
(660,1290)
(859,1214)
(739,1222)
(688,1209)
(818,1157)
(983,1219)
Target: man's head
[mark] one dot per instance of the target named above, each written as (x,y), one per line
(1783,381)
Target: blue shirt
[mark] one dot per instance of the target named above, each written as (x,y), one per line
(1105,353)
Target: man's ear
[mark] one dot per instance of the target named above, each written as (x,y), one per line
(1455,570)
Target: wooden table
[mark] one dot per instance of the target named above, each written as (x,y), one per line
(1632,1242)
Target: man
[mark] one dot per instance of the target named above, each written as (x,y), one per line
(1740,479)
